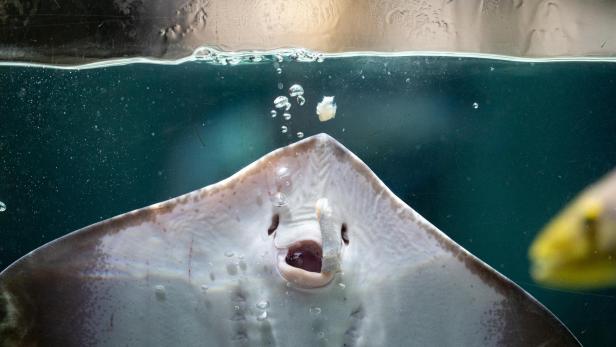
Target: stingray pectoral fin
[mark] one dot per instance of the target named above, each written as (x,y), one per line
(432,291)
(74,292)
(46,291)
(449,302)
(158,276)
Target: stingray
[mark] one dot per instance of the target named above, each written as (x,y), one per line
(304,247)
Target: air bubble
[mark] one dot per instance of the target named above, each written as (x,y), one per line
(280,183)
(300,134)
(286,116)
(279,199)
(315,310)
(262,316)
(262,305)
(232,269)
(342,285)
(320,335)
(282,178)
(279,71)
(160,292)
(284,129)
(228,254)
(301,101)
(282,102)
(475,105)
(273,113)
(280,85)
(2,206)
(296,90)
(204,288)
(282,172)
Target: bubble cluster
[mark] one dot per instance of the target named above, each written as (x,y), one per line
(281,185)
(283,103)
(213,56)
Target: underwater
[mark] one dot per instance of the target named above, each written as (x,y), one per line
(487,148)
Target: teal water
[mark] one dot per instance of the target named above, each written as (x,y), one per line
(487,150)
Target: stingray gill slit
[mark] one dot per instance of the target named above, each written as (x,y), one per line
(274,225)
(344,233)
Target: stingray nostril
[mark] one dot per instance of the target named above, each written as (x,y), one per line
(274,225)
(344,233)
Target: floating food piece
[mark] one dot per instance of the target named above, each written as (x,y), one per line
(326,109)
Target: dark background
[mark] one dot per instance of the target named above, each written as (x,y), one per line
(79,146)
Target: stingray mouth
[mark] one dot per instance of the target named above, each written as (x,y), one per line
(305,255)
(301,264)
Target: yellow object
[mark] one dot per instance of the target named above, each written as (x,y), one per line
(577,249)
